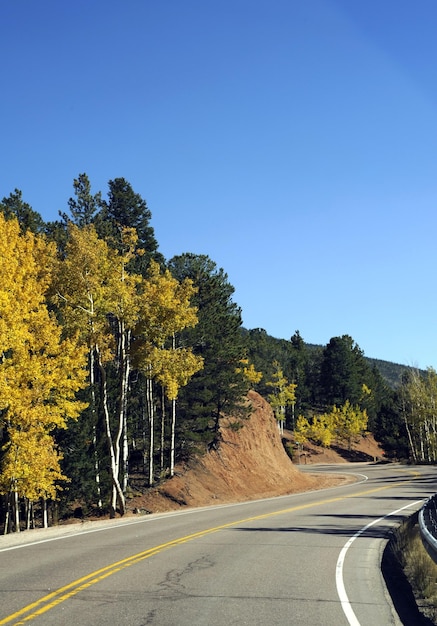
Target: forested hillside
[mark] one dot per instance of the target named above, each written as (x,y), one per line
(116,361)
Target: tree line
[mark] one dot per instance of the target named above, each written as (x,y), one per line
(341,394)
(116,364)
(99,335)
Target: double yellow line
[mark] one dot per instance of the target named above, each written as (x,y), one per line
(51,600)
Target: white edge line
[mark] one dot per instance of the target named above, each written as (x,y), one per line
(341,590)
(156,516)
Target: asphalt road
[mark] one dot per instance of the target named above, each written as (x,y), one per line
(310,559)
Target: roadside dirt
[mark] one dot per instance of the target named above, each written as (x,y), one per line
(249,463)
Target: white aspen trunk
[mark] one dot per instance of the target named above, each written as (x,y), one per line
(144,414)
(117,492)
(427,440)
(162,444)
(28,514)
(124,340)
(281,420)
(94,417)
(410,438)
(434,455)
(173,436)
(120,442)
(16,511)
(151,415)
(7,519)
(422,452)
(44,513)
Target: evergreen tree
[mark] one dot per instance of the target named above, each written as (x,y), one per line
(85,205)
(219,388)
(14,207)
(263,351)
(259,352)
(298,366)
(343,372)
(82,212)
(389,427)
(312,379)
(126,209)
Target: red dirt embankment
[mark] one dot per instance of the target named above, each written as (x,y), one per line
(249,463)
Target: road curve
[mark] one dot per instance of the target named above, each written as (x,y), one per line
(306,559)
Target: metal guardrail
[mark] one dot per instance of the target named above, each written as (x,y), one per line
(428,526)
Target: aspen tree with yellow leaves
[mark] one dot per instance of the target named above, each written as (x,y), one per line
(165,309)
(342,424)
(418,395)
(40,373)
(284,395)
(96,294)
(249,372)
(121,315)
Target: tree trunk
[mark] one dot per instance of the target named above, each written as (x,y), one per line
(7,517)
(29,514)
(124,341)
(410,438)
(44,513)
(117,492)
(94,419)
(173,436)
(151,415)
(16,511)
(162,445)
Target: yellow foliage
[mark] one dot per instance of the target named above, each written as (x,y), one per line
(249,372)
(284,393)
(350,421)
(164,305)
(31,467)
(342,423)
(164,310)
(302,430)
(40,372)
(173,368)
(92,283)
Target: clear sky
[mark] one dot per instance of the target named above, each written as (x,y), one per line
(294,142)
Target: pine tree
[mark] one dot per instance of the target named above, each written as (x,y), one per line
(298,366)
(220,387)
(14,207)
(126,209)
(343,372)
(85,205)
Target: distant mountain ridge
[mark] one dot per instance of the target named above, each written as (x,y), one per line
(391,372)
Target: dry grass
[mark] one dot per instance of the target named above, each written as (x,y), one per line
(418,567)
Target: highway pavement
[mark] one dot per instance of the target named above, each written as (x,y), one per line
(311,559)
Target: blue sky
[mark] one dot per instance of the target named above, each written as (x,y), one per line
(295,143)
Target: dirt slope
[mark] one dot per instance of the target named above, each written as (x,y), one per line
(248,463)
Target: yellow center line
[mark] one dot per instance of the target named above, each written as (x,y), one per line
(49,601)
